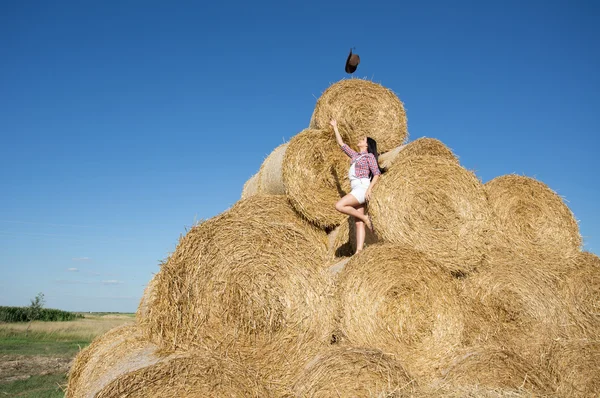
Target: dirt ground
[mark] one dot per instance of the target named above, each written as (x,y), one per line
(22,367)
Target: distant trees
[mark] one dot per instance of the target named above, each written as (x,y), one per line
(35,312)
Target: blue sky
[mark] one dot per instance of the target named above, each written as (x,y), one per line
(124,122)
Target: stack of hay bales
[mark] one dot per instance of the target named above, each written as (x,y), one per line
(466,289)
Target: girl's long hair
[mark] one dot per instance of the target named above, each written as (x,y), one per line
(372,148)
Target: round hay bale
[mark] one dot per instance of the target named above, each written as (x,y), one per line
(146,299)
(396,299)
(111,355)
(491,367)
(363,108)
(252,274)
(531,218)
(580,290)
(342,241)
(514,301)
(435,206)
(576,365)
(198,373)
(270,181)
(315,175)
(250,187)
(420,147)
(354,372)
(388,158)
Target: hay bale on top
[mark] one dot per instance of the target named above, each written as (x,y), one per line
(435,206)
(491,367)
(396,299)
(420,147)
(363,108)
(270,181)
(576,365)
(532,218)
(252,274)
(315,175)
(580,290)
(342,242)
(354,372)
(118,351)
(196,374)
(250,186)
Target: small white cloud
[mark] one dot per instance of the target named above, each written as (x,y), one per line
(112,282)
(73,269)
(70,282)
(81,259)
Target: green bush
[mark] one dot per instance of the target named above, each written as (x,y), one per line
(23,314)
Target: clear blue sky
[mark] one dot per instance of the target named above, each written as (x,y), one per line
(123,122)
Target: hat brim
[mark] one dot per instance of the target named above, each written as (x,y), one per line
(349,67)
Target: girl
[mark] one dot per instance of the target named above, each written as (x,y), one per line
(363,165)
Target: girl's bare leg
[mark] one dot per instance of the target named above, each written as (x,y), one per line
(360,231)
(348,205)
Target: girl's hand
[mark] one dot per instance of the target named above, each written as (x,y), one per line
(368,195)
(333,122)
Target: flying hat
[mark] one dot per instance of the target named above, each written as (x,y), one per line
(352,62)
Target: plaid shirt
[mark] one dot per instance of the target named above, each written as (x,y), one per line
(364,165)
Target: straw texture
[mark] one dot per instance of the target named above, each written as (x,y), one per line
(435,206)
(363,108)
(423,146)
(514,301)
(492,367)
(315,175)
(270,181)
(199,373)
(250,274)
(342,240)
(580,290)
(531,218)
(117,352)
(354,372)
(396,299)
(250,186)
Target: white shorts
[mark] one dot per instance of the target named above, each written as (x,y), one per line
(359,188)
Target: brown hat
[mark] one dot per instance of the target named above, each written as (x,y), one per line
(352,62)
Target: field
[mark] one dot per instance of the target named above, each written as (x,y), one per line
(35,358)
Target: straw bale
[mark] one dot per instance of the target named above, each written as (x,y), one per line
(576,365)
(531,218)
(146,299)
(354,372)
(342,240)
(250,186)
(248,275)
(398,300)
(199,373)
(111,355)
(315,175)
(363,108)
(433,205)
(580,290)
(270,181)
(514,301)
(491,367)
(423,146)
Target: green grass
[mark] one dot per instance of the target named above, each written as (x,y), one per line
(40,343)
(46,386)
(32,342)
